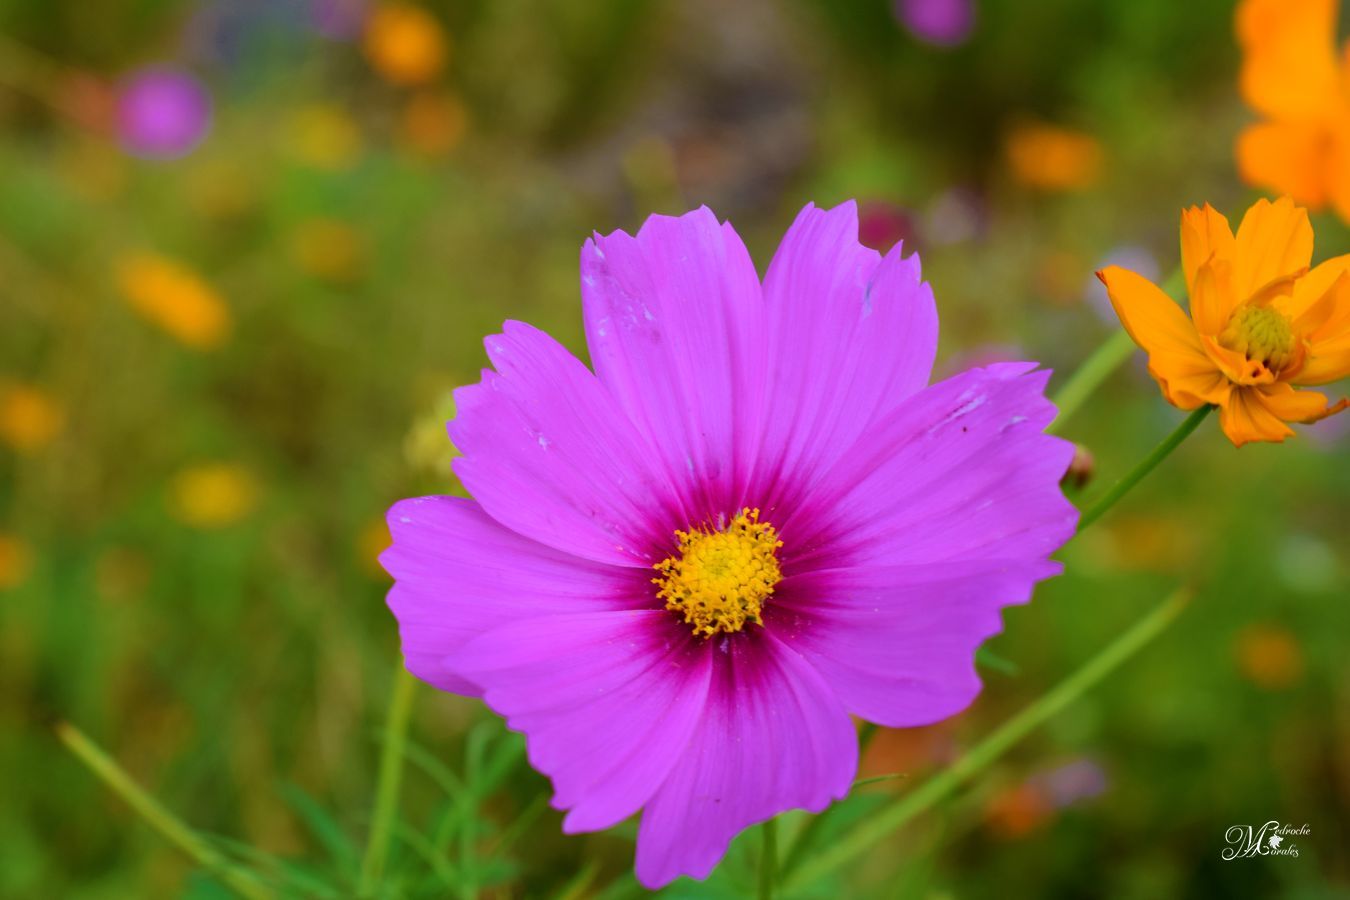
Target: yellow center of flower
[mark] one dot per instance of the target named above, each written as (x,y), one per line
(718,580)
(1262,334)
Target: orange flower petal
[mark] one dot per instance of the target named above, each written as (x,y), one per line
(1292,158)
(1205,233)
(1328,361)
(1312,287)
(1213,297)
(1289,65)
(1273,241)
(1191,380)
(1282,401)
(1319,311)
(1244,418)
(1160,327)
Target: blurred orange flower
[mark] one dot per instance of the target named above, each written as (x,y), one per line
(213,495)
(1292,76)
(16,560)
(405,44)
(1268,656)
(1017,811)
(1051,158)
(1260,321)
(30,418)
(176,299)
(433,123)
(370,543)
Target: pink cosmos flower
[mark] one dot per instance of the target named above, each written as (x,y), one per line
(682,572)
(162,113)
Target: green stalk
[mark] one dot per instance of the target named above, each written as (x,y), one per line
(945,783)
(1146,465)
(1089,376)
(387,788)
(157,816)
(768,861)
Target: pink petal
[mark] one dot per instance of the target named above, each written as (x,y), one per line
(960,471)
(852,335)
(674,322)
(607,702)
(459,572)
(897,643)
(772,737)
(549,454)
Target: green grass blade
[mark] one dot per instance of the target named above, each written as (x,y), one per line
(323,828)
(390,779)
(157,816)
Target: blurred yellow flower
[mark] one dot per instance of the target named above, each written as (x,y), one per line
(326,137)
(213,495)
(176,299)
(1268,656)
(1292,76)
(433,123)
(1051,158)
(427,446)
(30,418)
(405,44)
(329,250)
(16,561)
(1260,322)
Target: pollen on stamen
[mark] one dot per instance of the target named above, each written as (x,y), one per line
(719,579)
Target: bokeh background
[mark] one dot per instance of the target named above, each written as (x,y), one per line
(247,248)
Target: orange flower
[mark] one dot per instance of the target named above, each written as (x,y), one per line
(405,44)
(176,299)
(1292,76)
(16,560)
(1260,321)
(1051,158)
(30,418)
(433,123)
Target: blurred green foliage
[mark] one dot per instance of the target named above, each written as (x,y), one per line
(240,668)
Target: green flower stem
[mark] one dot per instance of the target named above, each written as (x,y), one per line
(1098,367)
(886,822)
(768,861)
(241,880)
(1089,376)
(1146,465)
(387,788)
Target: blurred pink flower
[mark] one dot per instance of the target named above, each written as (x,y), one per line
(1073,782)
(882,225)
(943,23)
(162,113)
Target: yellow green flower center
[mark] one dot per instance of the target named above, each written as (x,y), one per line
(719,580)
(1262,334)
